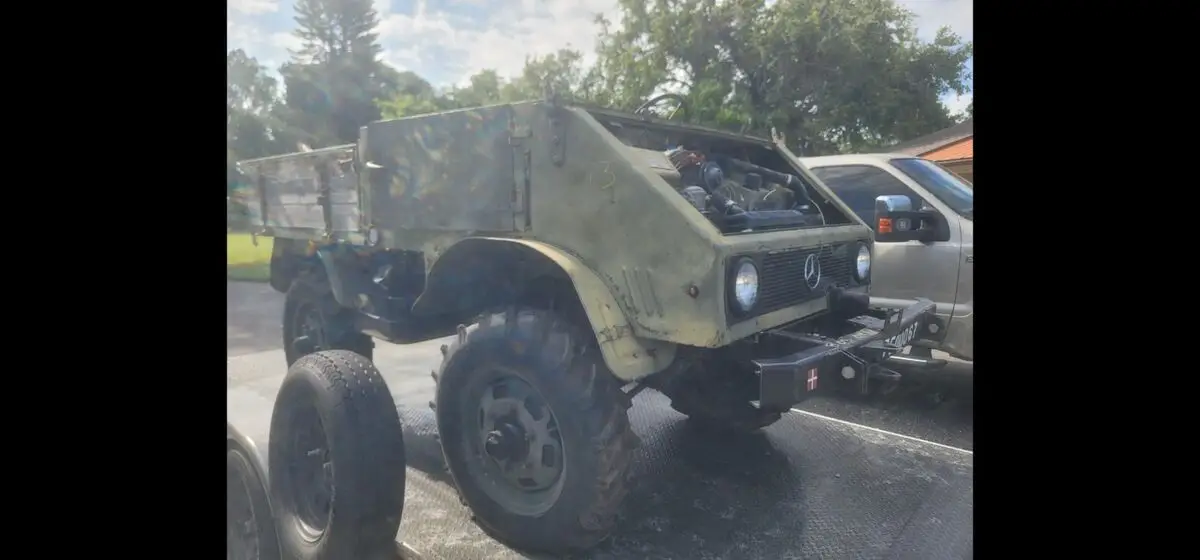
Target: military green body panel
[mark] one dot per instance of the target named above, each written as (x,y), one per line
(648,267)
(644,241)
(286,193)
(629,357)
(450,172)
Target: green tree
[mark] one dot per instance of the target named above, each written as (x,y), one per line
(335,76)
(251,97)
(832,75)
(561,72)
(413,96)
(484,88)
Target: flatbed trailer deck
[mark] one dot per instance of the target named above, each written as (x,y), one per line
(806,487)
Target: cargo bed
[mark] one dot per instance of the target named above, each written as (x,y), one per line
(808,487)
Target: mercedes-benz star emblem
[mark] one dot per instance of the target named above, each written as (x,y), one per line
(812,271)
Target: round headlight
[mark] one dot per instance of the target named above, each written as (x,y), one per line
(862,264)
(745,285)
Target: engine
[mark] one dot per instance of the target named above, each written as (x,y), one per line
(735,195)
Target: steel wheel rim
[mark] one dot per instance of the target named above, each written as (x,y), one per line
(513,442)
(310,475)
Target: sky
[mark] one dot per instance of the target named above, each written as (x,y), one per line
(445,41)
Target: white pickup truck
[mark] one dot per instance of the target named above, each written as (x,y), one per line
(923,217)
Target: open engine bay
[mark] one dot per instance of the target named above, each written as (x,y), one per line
(741,186)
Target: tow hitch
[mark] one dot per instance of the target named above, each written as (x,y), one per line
(915,362)
(786,380)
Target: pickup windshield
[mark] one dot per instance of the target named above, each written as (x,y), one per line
(946,186)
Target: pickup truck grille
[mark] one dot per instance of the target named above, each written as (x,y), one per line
(781,275)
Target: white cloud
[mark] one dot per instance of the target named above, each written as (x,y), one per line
(253,7)
(959,15)
(499,37)
(448,40)
(504,35)
(284,40)
(239,35)
(957,103)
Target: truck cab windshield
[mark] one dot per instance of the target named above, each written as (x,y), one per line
(946,186)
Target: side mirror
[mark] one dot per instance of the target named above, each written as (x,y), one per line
(896,221)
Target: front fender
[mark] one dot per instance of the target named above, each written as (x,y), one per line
(627,356)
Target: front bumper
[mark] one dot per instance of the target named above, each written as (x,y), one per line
(787,380)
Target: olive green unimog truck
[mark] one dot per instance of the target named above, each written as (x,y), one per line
(579,255)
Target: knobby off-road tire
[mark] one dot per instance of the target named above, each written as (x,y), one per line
(336,436)
(560,362)
(250,528)
(310,306)
(720,403)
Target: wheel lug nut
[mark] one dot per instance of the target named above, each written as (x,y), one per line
(493,444)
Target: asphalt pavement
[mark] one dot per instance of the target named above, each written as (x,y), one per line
(940,411)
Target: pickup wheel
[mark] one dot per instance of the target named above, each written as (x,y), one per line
(534,430)
(314,321)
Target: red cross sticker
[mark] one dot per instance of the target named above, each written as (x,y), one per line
(812,379)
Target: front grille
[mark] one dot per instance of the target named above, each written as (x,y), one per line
(781,276)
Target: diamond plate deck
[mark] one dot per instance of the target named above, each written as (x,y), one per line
(806,487)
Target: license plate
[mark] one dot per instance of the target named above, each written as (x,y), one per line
(905,336)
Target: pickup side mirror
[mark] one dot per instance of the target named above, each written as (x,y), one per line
(896,221)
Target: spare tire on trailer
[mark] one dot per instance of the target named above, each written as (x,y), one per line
(249,526)
(335,426)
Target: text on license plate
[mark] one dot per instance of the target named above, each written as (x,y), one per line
(905,336)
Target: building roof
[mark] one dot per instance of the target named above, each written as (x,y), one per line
(931,142)
(962,149)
